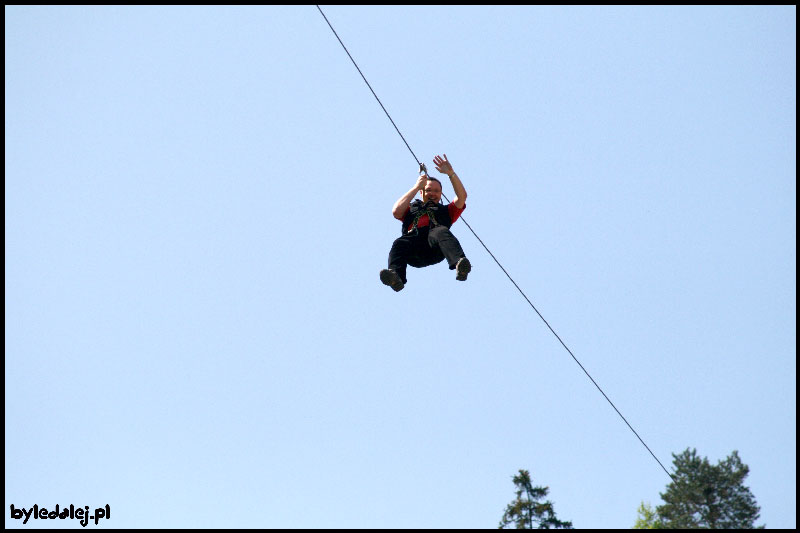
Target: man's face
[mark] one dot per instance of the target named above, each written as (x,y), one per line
(432,192)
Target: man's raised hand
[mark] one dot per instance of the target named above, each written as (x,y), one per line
(443,165)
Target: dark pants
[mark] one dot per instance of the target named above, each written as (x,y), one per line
(428,247)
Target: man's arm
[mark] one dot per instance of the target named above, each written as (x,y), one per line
(401,205)
(444,166)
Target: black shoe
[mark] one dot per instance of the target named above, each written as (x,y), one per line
(392,279)
(462,269)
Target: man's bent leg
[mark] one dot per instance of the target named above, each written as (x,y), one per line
(443,238)
(401,252)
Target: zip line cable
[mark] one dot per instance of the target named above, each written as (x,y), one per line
(498,262)
(370,86)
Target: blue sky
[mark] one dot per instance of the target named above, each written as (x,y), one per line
(198,203)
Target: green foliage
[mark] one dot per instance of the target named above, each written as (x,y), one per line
(704,496)
(528,512)
(648,518)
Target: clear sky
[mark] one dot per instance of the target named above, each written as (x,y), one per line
(198,204)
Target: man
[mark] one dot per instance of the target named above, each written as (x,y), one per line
(426,238)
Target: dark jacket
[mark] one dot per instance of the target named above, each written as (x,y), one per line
(438,214)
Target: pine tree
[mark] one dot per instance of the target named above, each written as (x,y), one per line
(704,496)
(528,512)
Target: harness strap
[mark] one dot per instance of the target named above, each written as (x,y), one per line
(421,213)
